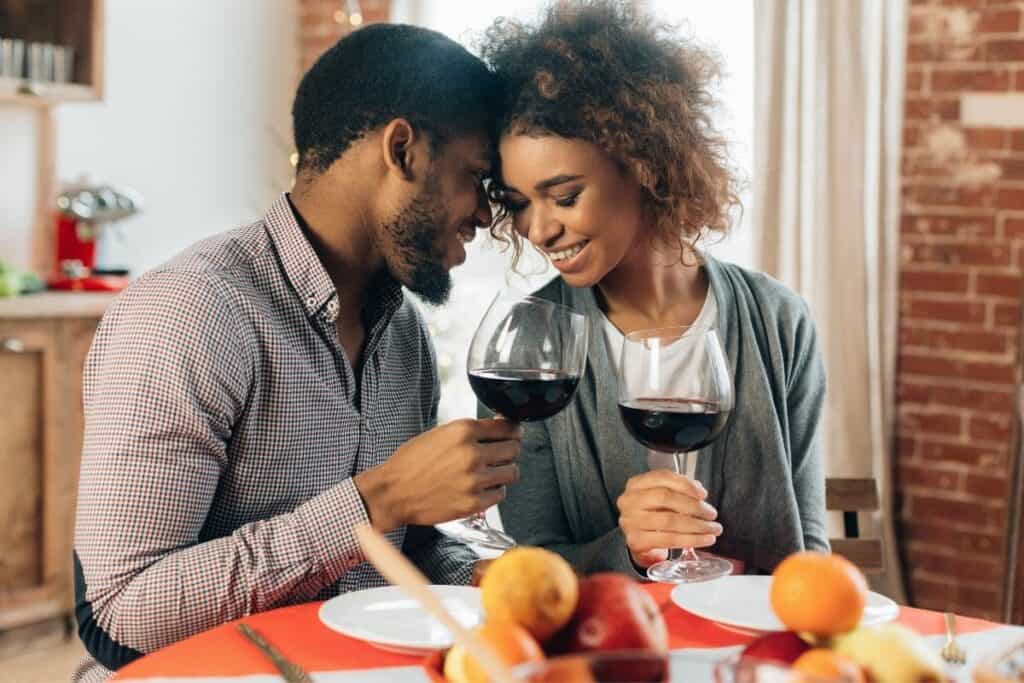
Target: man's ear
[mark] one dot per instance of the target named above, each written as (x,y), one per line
(401,149)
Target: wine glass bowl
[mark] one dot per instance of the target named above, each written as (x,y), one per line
(527,357)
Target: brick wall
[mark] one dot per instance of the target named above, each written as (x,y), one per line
(322,22)
(962,247)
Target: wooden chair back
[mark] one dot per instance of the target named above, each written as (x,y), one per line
(851,496)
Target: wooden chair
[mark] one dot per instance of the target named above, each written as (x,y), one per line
(850,496)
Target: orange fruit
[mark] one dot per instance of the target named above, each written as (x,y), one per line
(817,593)
(532,587)
(512,643)
(826,665)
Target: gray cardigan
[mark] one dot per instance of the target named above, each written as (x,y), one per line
(764,474)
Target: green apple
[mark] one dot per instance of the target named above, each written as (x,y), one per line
(10,283)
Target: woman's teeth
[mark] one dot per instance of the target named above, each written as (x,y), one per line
(567,253)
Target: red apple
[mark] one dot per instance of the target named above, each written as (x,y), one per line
(613,613)
(783,647)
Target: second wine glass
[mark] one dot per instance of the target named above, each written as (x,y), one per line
(524,364)
(675,396)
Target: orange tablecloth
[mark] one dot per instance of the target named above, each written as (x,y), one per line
(298,633)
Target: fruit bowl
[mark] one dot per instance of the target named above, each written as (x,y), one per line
(738,669)
(618,666)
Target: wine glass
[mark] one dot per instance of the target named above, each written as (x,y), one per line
(525,362)
(675,396)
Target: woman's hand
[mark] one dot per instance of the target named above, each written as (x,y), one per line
(660,510)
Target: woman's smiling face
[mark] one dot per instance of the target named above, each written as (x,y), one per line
(573,202)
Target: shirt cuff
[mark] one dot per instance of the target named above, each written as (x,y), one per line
(329,522)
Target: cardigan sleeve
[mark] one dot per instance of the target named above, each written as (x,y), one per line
(805,400)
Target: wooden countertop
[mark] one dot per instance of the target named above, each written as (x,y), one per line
(56,305)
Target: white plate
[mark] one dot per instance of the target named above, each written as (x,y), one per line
(390,620)
(741,602)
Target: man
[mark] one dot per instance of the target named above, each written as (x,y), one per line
(252,401)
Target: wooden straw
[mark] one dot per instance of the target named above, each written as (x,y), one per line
(401,572)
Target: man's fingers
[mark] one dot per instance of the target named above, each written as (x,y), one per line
(496,430)
(490,497)
(500,475)
(498,452)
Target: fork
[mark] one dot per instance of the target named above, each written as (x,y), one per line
(291,672)
(951,651)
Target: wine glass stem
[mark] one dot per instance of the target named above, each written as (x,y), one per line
(681,465)
(477,520)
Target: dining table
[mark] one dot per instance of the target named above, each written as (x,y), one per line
(224,655)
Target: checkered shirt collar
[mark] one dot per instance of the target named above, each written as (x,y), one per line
(307,275)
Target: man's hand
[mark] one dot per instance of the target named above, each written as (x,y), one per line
(661,509)
(479,569)
(451,471)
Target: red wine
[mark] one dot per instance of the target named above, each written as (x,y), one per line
(524,395)
(672,425)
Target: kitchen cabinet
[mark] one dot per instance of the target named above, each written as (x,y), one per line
(44,339)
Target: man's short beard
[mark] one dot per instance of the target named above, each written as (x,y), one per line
(420,262)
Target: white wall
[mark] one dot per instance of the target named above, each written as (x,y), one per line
(194,117)
(17,184)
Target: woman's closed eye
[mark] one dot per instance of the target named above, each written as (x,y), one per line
(568,200)
(518,205)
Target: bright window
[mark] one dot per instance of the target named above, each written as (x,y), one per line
(727,25)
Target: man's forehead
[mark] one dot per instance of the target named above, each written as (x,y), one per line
(474,148)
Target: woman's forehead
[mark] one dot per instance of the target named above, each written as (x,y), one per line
(525,158)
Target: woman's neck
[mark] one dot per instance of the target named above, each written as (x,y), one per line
(652,288)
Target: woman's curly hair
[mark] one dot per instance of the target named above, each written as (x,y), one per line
(600,71)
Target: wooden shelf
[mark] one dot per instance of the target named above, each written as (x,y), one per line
(19,92)
(77,24)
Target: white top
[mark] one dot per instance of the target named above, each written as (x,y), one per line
(708,317)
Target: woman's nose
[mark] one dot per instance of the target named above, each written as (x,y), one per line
(543,229)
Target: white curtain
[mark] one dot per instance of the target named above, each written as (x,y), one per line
(828,131)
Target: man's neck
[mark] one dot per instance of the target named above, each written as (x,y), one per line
(338,230)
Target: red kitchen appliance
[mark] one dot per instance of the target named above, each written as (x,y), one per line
(83,215)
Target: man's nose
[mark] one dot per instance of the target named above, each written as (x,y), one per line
(483,215)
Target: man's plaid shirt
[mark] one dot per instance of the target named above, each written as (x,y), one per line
(221,439)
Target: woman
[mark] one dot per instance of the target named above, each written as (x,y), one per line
(611,167)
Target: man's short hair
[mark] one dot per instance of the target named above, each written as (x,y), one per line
(388,71)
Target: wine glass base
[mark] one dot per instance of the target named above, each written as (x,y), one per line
(689,571)
(475,534)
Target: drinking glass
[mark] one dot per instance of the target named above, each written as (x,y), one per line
(675,396)
(525,362)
